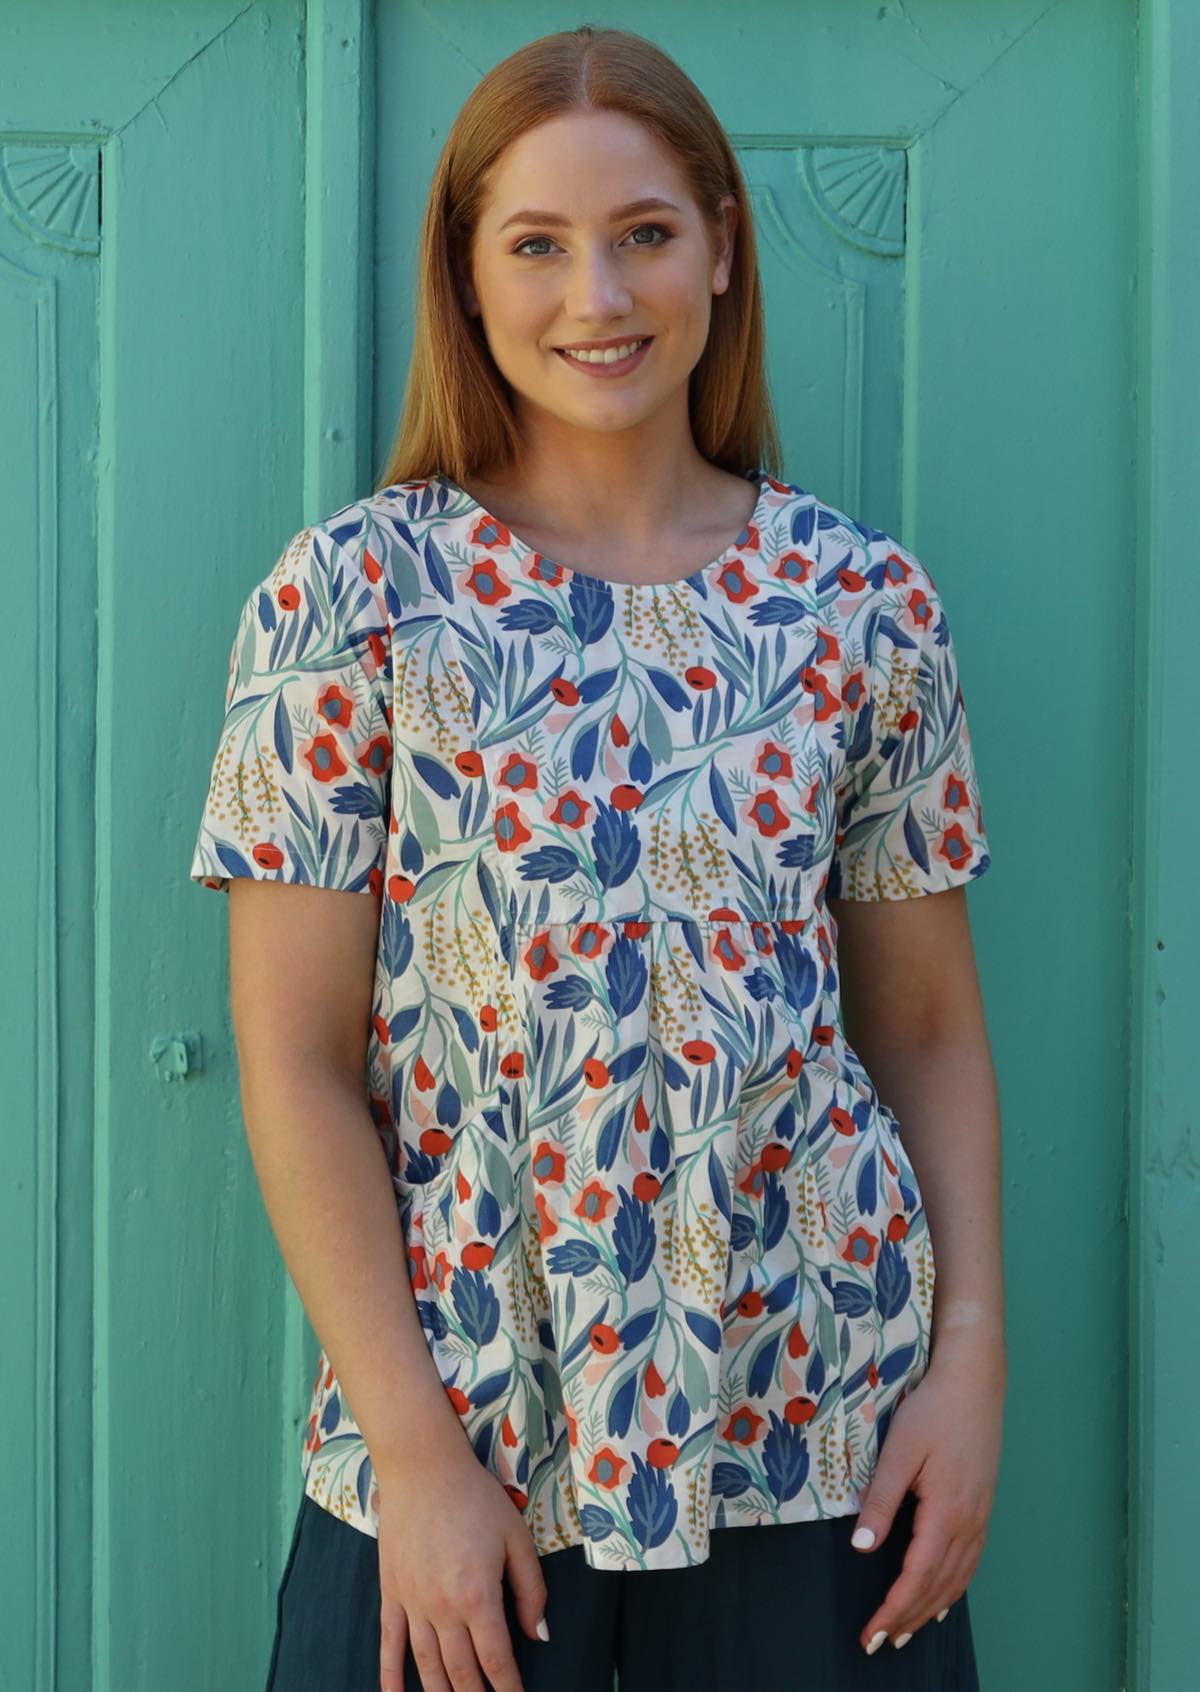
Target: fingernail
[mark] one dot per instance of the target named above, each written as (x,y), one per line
(944,1613)
(902,1640)
(877,1641)
(543,1632)
(863,1538)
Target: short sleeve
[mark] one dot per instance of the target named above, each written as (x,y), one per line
(299,789)
(910,817)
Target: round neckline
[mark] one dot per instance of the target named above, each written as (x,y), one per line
(570,574)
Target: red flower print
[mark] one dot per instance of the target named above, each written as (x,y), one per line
(734,583)
(434,1142)
(488,1018)
(825,701)
(908,721)
(742,1427)
(797,1345)
(441,1271)
(400,888)
(323,757)
(547,1226)
(854,692)
(859,1246)
(646,1187)
(374,755)
(955,847)
(541,569)
(617,730)
(897,1228)
(795,1061)
(509,830)
(267,855)
(797,1411)
(594,1202)
(775,1156)
(700,677)
(641,1116)
(595,1073)
(519,1498)
(661,1453)
(750,1303)
(416,1266)
(540,958)
(486,582)
(382,1032)
(842,1120)
(477,1254)
(956,795)
(590,940)
(725,951)
(459,1399)
(793,567)
(625,796)
(335,705)
(564,691)
(851,581)
(768,813)
(698,1051)
(764,939)
(570,809)
(548,1162)
(288,598)
(606,1467)
(604,1338)
(507,1432)
(489,531)
(572,1425)
(752,1181)
(823,1033)
(462,1186)
(512,1067)
(518,772)
(919,607)
(829,650)
(375,880)
(895,571)
(469,764)
(773,760)
(372,568)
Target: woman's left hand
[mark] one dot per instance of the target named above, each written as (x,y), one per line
(943,1444)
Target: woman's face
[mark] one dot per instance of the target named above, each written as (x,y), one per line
(560,257)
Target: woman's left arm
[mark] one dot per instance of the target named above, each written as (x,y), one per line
(913,1012)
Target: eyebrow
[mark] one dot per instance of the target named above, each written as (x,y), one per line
(650,203)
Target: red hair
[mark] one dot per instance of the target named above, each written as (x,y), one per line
(456,418)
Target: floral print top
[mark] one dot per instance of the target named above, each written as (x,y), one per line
(667,1246)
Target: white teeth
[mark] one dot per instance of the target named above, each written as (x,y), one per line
(605,355)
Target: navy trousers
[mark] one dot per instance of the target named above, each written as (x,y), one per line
(774,1609)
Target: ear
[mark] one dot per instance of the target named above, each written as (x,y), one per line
(723,258)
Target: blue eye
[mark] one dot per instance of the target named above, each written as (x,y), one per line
(519,249)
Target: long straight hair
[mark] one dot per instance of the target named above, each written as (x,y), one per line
(456,418)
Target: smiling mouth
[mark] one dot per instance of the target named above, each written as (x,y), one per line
(607,358)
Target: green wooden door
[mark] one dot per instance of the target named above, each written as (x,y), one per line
(206,251)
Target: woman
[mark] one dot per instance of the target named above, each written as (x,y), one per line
(618,733)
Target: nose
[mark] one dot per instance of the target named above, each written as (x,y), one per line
(596,290)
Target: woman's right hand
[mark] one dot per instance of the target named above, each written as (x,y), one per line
(448,1535)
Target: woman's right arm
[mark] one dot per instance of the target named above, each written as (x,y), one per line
(302,963)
